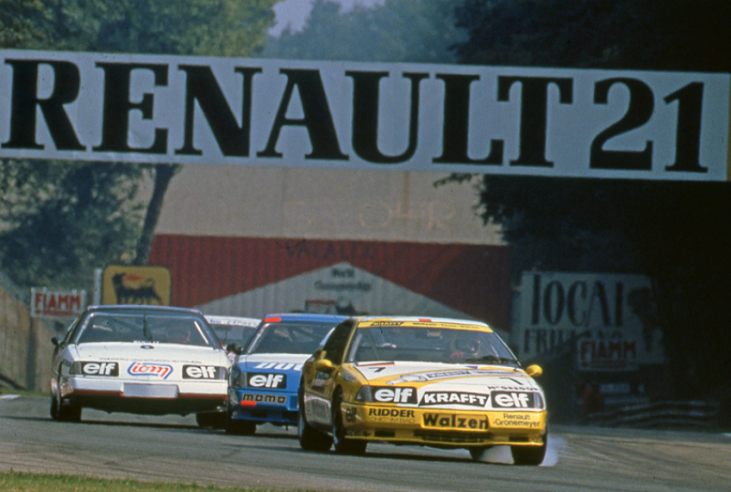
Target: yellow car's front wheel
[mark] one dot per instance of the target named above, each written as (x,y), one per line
(342,444)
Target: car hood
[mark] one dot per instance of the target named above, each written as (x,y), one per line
(156,352)
(277,362)
(452,385)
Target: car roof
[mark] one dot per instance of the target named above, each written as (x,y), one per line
(314,317)
(216,319)
(143,309)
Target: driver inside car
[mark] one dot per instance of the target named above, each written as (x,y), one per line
(464,346)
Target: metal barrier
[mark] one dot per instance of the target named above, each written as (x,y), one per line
(660,414)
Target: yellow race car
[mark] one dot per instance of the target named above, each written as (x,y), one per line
(437,382)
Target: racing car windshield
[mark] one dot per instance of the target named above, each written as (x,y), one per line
(105,328)
(289,338)
(429,345)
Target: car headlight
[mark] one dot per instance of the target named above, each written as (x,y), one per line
(364,394)
(75,369)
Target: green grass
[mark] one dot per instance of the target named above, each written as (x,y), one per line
(31,482)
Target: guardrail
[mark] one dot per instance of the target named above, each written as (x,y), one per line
(660,414)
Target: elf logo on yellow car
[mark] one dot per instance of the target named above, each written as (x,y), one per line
(444,421)
(394,395)
(513,399)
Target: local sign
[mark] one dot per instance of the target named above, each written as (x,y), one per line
(608,319)
(347,115)
(56,304)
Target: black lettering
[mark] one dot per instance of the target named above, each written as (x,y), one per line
(553,310)
(599,293)
(117,106)
(317,117)
(201,86)
(688,131)
(455,136)
(639,112)
(365,116)
(67,82)
(577,288)
(534,114)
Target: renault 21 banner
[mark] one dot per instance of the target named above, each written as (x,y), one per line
(347,115)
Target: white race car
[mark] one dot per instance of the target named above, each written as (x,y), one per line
(139,359)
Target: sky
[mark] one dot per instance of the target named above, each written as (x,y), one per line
(293,14)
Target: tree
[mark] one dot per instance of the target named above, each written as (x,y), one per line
(400,30)
(677,233)
(42,217)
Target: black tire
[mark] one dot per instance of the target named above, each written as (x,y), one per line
(63,411)
(478,454)
(342,444)
(54,407)
(529,455)
(310,438)
(203,419)
(239,427)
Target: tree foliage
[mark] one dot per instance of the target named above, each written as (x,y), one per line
(678,233)
(61,220)
(400,30)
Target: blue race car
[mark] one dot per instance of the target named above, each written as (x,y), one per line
(265,377)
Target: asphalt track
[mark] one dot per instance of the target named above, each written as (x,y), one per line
(173,448)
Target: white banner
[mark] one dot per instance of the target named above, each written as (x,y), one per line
(609,319)
(347,115)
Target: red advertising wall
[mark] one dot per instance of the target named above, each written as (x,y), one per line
(474,279)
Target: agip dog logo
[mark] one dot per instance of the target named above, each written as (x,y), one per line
(123,284)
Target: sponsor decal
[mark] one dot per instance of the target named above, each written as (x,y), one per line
(248,398)
(200,372)
(394,395)
(161,371)
(431,376)
(522,420)
(279,366)
(453,398)
(273,381)
(100,368)
(514,399)
(396,415)
(451,421)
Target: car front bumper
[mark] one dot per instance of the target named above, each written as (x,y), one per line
(442,427)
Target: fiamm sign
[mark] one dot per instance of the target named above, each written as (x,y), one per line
(56,304)
(343,115)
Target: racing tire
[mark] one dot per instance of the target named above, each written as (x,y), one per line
(239,427)
(529,455)
(310,438)
(342,444)
(64,412)
(478,454)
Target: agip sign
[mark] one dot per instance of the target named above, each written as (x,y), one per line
(343,115)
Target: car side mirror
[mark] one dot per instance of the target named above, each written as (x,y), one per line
(235,348)
(56,341)
(324,365)
(534,370)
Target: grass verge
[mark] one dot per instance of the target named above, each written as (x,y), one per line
(32,482)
